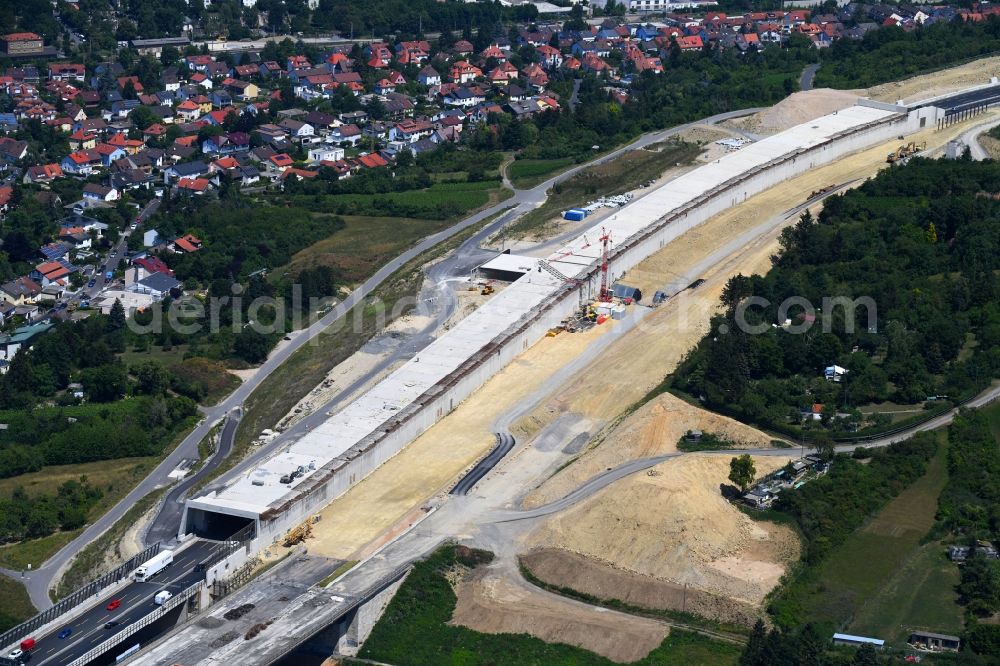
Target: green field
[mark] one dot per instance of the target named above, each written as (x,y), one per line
(415,630)
(920,595)
(440,201)
(16,607)
(527,173)
(861,582)
(18,556)
(363,245)
(102,474)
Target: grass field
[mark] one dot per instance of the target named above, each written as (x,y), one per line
(919,595)
(857,578)
(114,477)
(364,244)
(525,174)
(440,201)
(18,556)
(414,631)
(101,474)
(624,173)
(16,606)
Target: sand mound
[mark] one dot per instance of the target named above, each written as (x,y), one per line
(491,602)
(801,107)
(926,86)
(673,525)
(651,431)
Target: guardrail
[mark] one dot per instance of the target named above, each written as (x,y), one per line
(76,598)
(133,628)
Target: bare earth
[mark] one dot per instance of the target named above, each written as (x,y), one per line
(672,525)
(653,430)
(491,602)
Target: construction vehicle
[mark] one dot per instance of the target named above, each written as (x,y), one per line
(298,534)
(487,290)
(605,295)
(901,153)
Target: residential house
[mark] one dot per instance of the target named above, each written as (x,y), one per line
(185,170)
(193,186)
(226,144)
(81,163)
(92,192)
(42,174)
(21,291)
(300,131)
(325,153)
(428,76)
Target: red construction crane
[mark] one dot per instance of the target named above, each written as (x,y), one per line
(605,296)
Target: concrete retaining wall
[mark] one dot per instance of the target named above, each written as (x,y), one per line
(411,422)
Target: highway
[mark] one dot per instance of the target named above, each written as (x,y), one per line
(88,629)
(966,100)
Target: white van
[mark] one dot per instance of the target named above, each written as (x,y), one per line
(161,597)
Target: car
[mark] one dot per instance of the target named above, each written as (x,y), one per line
(114,253)
(91,284)
(112,624)
(66,632)
(114,604)
(16,654)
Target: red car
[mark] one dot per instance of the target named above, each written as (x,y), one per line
(115,603)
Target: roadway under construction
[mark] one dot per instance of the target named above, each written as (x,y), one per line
(283,491)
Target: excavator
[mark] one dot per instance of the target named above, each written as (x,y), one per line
(901,153)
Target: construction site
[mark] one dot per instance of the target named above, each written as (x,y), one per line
(562,353)
(570,289)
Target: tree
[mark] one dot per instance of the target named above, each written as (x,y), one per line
(866,656)
(105,383)
(824,445)
(153,378)
(116,318)
(742,471)
(251,346)
(755,645)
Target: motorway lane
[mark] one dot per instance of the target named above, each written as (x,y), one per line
(968,100)
(137,602)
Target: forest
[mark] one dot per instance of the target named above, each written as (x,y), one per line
(891,53)
(921,242)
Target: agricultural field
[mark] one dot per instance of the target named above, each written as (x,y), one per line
(440,201)
(528,173)
(871,580)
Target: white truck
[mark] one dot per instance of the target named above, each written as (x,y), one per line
(161,597)
(154,565)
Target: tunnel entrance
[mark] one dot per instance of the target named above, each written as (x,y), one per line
(214,525)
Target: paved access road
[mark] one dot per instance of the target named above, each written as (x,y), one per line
(88,630)
(39,581)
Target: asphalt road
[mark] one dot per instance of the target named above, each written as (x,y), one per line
(969,100)
(164,527)
(40,580)
(807,77)
(136,602)
(505,442)
(604,479)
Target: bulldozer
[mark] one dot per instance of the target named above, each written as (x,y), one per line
(901,153)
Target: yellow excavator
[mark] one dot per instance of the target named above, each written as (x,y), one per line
(912,148)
